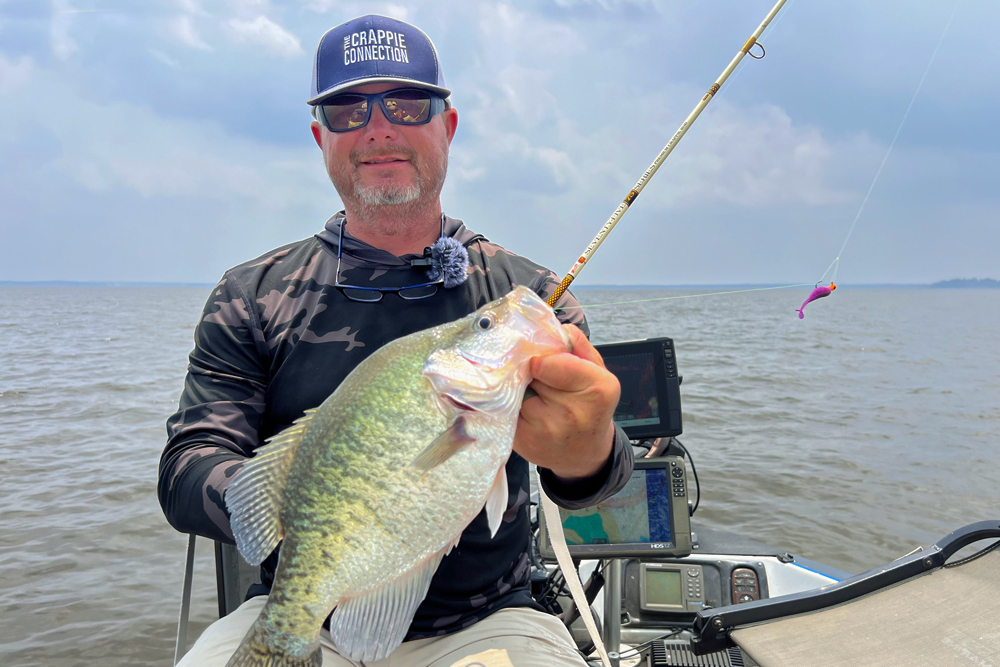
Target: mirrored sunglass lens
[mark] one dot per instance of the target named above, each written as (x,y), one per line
(369,296)
(346,112)
(421,292)
(408,106)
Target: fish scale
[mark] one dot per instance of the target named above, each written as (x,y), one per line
(370,491)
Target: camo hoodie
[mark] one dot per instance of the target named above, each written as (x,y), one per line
(273,322)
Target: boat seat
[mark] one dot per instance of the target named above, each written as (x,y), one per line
(922,610)
(233,576)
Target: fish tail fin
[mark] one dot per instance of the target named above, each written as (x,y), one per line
(259,649)
(801,314)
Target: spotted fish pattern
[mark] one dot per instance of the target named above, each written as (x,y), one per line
(276,338)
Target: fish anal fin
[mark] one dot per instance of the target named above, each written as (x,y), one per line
(370,627)
(496,501)
(259,649)
(444,446)
(254,498)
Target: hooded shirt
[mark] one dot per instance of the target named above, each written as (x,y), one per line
(276,338)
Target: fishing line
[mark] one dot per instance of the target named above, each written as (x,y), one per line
(835,264)
(772,29)
(681,296)
(588,253)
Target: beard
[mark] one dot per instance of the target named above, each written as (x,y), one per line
(430,175)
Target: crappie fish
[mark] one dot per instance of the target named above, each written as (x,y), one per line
(373,488)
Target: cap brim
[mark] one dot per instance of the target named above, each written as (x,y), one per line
(347,85)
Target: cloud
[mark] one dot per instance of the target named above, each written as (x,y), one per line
(562,104)
(13,74)
(177,198)
(120,146)
(111,148)
(183,29)
(164,58)
(397,12)
(605,4)
(751,156)
(511,34)
(349,10)
(265,32)
(62,18)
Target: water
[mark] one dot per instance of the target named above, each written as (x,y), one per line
(849,437)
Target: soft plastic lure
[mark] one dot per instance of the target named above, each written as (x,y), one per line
(818,293)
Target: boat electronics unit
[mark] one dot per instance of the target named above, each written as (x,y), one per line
(671,587)
(646,519)
(650,402)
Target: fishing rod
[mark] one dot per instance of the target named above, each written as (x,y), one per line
(674,140)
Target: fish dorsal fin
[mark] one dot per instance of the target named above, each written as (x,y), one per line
(496,501)
(370,627)
(444,446)
(254,498)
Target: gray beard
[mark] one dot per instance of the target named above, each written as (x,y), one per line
(406,200)
(388,194)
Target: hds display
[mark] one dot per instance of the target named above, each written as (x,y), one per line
(649,517)
(650,403)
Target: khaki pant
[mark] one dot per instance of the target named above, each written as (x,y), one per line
(517,637)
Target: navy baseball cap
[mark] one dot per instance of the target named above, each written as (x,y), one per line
(375,49)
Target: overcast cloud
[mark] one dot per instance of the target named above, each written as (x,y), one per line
(168,140)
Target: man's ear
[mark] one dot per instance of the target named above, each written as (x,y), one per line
(317,131)
(450,119)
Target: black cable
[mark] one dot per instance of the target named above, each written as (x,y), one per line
(637,650)
(694,473)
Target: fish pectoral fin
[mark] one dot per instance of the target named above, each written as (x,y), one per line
(444,446)
(370,627)
(496,501)
(254,498)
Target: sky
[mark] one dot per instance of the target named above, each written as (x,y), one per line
(168,140)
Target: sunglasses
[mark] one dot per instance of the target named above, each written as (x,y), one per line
(374,294)
(403,106)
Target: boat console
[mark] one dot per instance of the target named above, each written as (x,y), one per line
(668,591)
(645,566)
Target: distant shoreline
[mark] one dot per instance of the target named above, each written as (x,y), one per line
(747,286)
(95,283)
(968,283)
(956,283)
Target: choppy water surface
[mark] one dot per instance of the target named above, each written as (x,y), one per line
(849,437)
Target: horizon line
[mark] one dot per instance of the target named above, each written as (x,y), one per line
(131,283)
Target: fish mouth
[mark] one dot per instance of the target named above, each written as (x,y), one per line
(456,404)
(487,373)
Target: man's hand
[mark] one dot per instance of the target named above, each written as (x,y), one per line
(567,428)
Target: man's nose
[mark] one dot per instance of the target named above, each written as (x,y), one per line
(379,127)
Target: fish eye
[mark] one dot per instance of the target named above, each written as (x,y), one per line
(484,323)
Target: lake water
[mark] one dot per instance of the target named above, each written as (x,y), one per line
(849,437)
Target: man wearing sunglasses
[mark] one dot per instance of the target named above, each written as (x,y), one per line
(280,332)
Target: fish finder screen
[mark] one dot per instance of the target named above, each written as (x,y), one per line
(638,405)
(663,587)
(639,513)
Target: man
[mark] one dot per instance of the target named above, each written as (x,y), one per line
(280,333)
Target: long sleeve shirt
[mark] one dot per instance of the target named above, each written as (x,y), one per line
(276,338)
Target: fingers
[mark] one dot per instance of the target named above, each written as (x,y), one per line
(570,371)
(581,346)
(563,372)
(569,428)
